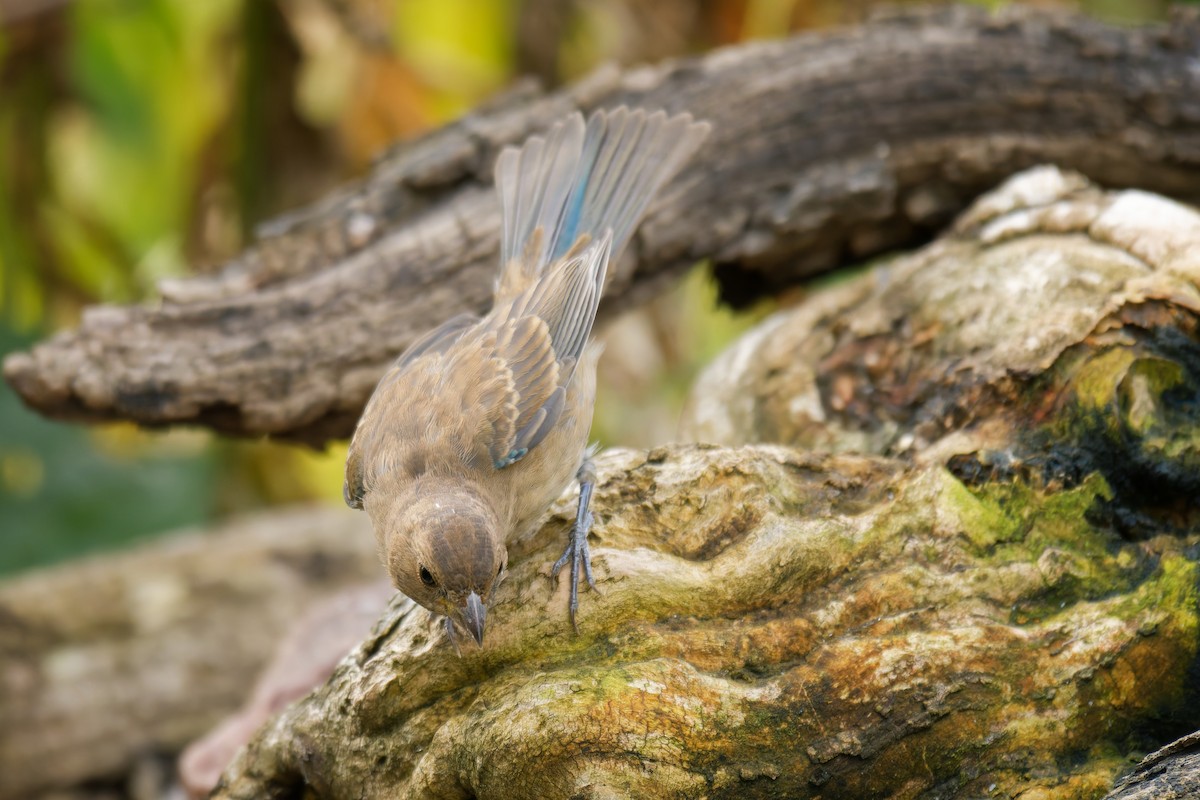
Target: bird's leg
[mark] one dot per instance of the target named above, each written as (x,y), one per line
(577,546)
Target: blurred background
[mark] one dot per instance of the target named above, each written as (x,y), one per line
(144,139)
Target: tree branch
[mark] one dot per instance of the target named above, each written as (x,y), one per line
(826,148)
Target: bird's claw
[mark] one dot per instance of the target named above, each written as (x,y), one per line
(579,555)
(577,551)
(452,637)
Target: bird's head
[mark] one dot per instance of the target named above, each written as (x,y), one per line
(443,546)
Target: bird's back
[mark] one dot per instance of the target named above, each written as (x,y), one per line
(506,400)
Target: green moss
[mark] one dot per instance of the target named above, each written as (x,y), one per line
(1012,518)
(1099,376)
(986,518)
(1061,518)
(1141,390)
(1090,382)
(1018,523)
(1174,591)
(1130,412)
(1154,682)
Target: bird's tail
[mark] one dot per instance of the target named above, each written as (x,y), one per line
(581,180)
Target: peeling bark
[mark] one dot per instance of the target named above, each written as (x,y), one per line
(975,615)
(825,147)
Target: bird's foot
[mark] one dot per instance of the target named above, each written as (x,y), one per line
(577,552)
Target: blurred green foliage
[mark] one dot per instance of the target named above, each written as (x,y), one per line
(63,493)
(141,139)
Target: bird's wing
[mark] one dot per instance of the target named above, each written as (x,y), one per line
(437,340)
(482,393)
(567,297)
(507,382)
(553,319)
(479,397)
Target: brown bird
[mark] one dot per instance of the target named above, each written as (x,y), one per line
(481,424)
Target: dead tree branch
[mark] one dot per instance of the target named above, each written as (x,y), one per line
(826,148)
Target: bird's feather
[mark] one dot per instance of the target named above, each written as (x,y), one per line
(437,340)
(507,376)
(583,180)
(566,298)
(481,394)
(367,433)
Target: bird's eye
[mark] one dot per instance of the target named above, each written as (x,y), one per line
(427,578)
(499,570)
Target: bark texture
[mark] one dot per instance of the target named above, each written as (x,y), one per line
(1054,330)
(825,147)
(1007,610)
(773,625)
(1172,773)
(109,659)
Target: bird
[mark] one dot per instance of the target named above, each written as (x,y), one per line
(481,424)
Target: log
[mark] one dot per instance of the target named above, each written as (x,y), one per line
(973,615)
(1052,330)
(771,624)
(826,148)
(105,660)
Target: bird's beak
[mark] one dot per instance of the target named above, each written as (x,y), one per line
(475,616)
